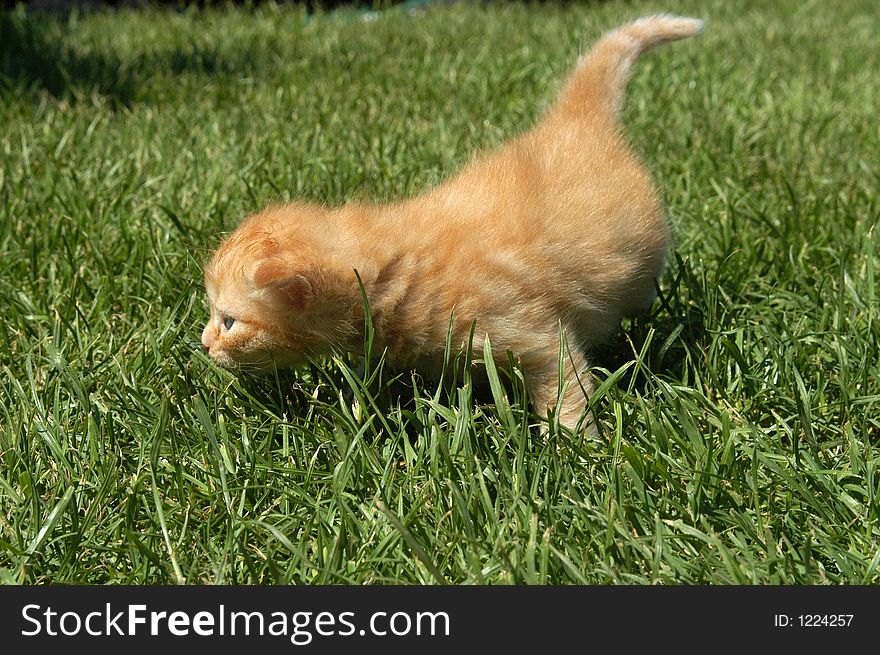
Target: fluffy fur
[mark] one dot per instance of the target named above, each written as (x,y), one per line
(559,227)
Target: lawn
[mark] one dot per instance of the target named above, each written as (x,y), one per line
(739,423)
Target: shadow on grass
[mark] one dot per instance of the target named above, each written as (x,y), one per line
(31,57)
(670,361)
(35,54)
(678,327)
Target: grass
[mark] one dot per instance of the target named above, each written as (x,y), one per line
(739,421)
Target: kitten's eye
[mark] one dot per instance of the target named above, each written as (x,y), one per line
(228,322)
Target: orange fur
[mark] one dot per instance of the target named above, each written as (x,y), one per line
(559,227)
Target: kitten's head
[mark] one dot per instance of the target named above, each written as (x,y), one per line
(276,292)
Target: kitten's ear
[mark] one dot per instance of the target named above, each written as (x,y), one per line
(292,286)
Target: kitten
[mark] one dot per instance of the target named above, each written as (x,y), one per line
(559,227)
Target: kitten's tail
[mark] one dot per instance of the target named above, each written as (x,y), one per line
(597,85)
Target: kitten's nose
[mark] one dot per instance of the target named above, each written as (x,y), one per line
(207,338)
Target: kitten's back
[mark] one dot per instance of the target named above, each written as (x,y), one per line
(565,214)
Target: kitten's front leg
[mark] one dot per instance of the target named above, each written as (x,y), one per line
(542,380)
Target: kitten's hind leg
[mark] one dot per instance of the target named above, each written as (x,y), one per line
(542,381)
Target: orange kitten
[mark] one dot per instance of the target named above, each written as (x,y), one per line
(560,226)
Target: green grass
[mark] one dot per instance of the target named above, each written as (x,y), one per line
(739,422)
